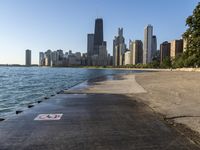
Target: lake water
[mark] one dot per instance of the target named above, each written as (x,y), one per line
(20,86)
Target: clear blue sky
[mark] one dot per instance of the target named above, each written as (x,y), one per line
(63,24)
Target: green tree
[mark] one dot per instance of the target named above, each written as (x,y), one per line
(178,62)
(192,36)
(166,63)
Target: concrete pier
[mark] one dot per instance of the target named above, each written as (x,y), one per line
(91,122)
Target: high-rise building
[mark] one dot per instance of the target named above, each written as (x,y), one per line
(98,35)
(28,57)
(176,48)
(54,58)
(90,47)
(60,54)
(136,52)
(127,58)
(119,48)
(148,33)
(164,51)
(98,31)
(48,58)
(41,59)
(154,46)
(96,46)
(102,59)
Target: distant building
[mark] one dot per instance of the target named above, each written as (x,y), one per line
(102,59)
(154,46)
(96,46)
(98,35)
(127,58)
(176,48)
(60,59)
(84,59)
(136,49)
(90,47)
(41,59)
(147,52)
(164,51)
(28,58)
(48,58)
(70,52)
(119,48)
(110,60)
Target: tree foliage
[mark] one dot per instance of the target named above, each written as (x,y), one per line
(166,63)
(192,36)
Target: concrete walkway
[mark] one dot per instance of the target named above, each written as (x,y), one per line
(91,122)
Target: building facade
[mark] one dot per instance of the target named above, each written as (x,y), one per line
(96,46)
(98,35)
(127,58)
(28,58)
(136,52)
(148,33)
(164,51)
(90,48)
(154,46)
(119,48)
(41,59)
(60,59)
(176,48)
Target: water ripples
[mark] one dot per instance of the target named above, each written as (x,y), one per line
(20,86)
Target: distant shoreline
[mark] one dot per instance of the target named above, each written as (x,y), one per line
(109,67)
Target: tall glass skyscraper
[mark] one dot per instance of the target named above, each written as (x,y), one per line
(98,35)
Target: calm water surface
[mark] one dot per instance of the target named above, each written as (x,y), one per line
(20,86)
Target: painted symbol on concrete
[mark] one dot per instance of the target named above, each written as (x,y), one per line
(48,117)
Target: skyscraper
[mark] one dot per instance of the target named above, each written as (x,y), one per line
(148,33)
(136,52)
(90,47)
(96,46)
(98,31)
(102,60)
(28,57)
(98,35)
(119,48)
(41,59)
(154,46)
(48,58)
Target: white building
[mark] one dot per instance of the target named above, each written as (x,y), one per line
(48,58)
(119,48)
(127,57)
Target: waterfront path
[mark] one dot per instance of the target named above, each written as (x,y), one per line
(91,122)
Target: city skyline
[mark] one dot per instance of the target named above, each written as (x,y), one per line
(24,28)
